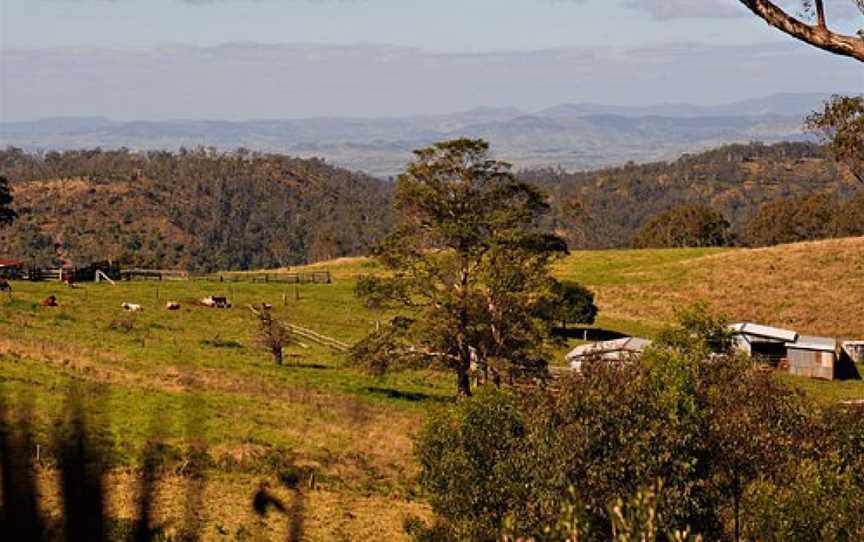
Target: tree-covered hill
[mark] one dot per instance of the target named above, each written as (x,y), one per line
(606,208)
(199,209)
(204,210)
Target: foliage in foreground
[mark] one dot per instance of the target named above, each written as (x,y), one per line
(734,448)
(841,125)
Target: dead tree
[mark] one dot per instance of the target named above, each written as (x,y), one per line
(273,336)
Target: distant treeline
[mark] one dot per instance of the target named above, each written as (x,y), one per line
(199,210)
(202,210)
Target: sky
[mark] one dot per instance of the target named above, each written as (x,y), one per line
(255,59)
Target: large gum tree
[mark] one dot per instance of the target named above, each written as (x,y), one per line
(466,270)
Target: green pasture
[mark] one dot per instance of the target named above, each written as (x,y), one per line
(202,363)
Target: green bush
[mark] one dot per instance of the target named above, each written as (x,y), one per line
(469,459)
(684,226)
(727,439)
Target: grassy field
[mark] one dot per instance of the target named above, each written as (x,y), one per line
(198,371)
(166,368)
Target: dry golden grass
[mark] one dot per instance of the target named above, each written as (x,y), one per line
(226,511)
(814,287)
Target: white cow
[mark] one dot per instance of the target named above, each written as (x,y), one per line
(132,307)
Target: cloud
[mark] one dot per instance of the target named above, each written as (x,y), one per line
(687,9)
(683,9)
(249,80)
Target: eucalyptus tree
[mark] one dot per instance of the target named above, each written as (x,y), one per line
(840,123)
(466,269)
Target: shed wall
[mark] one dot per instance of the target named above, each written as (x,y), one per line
(811,363)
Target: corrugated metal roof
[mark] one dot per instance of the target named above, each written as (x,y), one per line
(768,332)
(625,344)
(807,342)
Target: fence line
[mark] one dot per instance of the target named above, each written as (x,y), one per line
(316,337)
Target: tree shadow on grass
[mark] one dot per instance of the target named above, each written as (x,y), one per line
(319,366)
(584,333)
(412,396)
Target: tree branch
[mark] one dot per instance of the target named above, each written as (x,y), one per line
(817,35)
(820,15)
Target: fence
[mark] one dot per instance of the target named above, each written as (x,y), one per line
(315,337)
(154,274)
(317,277)
(86,274)
(75,274)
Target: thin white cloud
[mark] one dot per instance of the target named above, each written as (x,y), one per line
(687,9)
(251,80)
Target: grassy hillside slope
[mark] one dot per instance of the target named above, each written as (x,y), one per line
(158,373)
(814,287)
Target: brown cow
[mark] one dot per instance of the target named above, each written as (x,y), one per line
(5,286)
(50,301)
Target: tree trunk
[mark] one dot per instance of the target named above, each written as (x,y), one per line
(463,369)
(737,505)
(463,380)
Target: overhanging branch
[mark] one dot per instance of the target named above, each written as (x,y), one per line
(817,35)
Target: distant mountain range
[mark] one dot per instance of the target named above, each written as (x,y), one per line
(569,136)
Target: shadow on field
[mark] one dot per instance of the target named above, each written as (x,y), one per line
(317,366)
(80,451)
(412,396)
(587,333)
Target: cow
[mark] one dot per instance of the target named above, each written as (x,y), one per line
(216,302)
(5,286)
(50,301)
(132,307)
(172,306)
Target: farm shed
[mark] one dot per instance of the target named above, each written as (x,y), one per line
(615,350)
(763,341)
(10,268)
(813,357)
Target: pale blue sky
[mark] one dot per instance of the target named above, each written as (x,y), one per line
(143,59)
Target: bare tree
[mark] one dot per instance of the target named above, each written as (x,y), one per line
(816,33)
(273,336)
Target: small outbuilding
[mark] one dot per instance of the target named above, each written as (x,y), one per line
(766,342)
(10,268)
(813,357)
(616,350)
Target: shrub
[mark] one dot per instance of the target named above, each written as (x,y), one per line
(790,220)
(684,226)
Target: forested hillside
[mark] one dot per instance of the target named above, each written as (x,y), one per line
(199,210)
(204,210)
(606,208)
